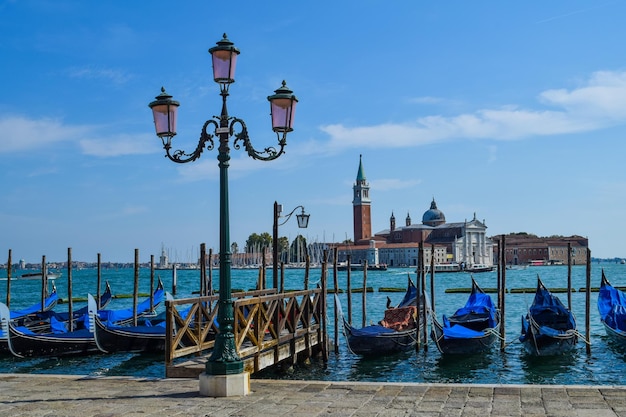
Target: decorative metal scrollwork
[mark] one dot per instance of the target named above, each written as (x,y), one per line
(206,140)
(269,154)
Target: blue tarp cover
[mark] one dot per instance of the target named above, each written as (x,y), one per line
(552,317)
(479,307)
(115,316)
(608,298)
(51,300)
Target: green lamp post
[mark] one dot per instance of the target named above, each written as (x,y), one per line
(224,359)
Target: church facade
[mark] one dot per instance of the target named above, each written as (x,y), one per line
(465,243)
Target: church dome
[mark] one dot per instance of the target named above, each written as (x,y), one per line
(433,216)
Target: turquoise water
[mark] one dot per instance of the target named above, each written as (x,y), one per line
(605,365)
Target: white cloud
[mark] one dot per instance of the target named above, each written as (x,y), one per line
(21,133)
(599,103)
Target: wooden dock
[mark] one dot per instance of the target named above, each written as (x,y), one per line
(270,328)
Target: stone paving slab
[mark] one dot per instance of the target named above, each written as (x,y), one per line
(24,395)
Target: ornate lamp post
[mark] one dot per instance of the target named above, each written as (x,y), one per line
(224,360)
(303,223)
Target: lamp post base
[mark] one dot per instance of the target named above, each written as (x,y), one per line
(224,385)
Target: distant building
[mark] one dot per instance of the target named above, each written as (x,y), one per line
(461,242)
(527,249)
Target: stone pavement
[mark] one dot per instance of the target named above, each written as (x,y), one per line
(80,396)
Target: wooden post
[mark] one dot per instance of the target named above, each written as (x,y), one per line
(418,283)
(324,307)
(425,312)
(569,276)
(307,267)
(432,277)
(151,282)
(263,269)
(203,290)
(349,289)
(9,263)
(136,287)
(503,306)
(335,287)
(282,277)
(364,298)
(499,275)
(44,284)
(70,308)
(99,279)
(174,279)
(588,303)
(210,279)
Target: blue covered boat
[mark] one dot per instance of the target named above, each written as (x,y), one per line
(471,329)
(549,328)
(49,302)
(612,309)
(397,332)
(23,342)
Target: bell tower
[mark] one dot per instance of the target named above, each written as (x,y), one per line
(361,204)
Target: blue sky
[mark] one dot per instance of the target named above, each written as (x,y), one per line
(515,111)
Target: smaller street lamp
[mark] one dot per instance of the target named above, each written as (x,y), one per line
(303,223)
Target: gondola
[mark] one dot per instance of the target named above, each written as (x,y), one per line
(548,328)
(144,309)
(26,314)
(22,342)
(471,329)
(612,309)
(49,303)
(397,332)
(144,337)
(41,322)
(148,335)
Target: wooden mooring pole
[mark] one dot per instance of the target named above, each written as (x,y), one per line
(99,278)
(151,282)
(336,291)
(432,277)
(9,266)
(324,307)
(349,289)
(422,295)
(588,303)
(174,279)
(70,308)
(203,287)
(364,298)
(210,278)
(503,292)
(418,281)
(136,287)
(569,276)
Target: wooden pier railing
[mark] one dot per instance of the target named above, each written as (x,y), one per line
(269,328)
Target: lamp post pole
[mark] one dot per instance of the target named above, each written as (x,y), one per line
(303,223)
(224,359)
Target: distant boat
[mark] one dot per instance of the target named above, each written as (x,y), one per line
(480,268)
(516,267)
(38,275)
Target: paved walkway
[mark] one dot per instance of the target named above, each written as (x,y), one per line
(52,395)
